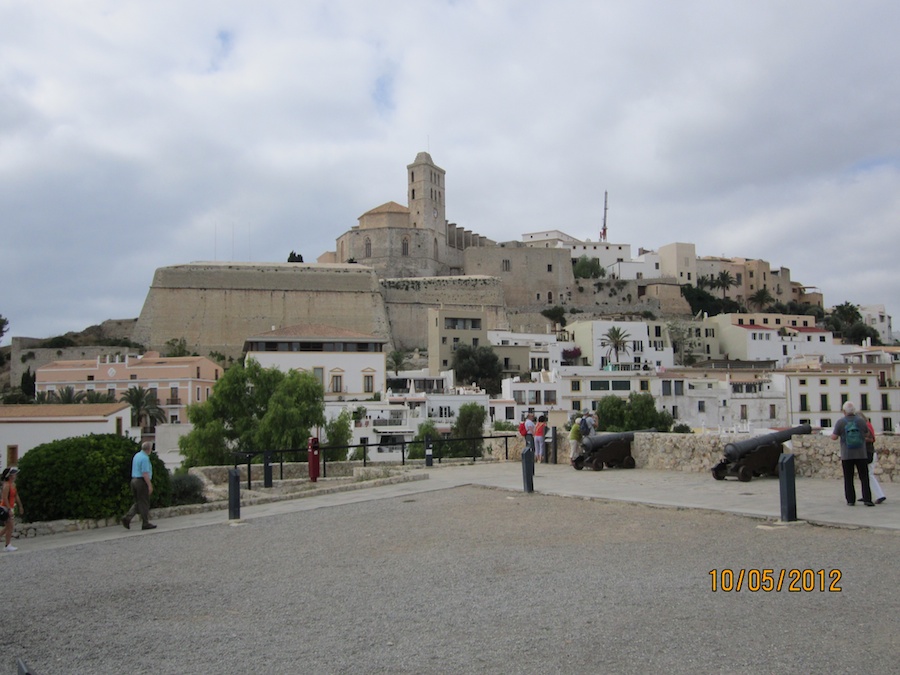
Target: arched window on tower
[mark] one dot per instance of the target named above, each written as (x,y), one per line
(405,249)
(368,248)
(435,249)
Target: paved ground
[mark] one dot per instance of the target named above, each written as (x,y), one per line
(439,575)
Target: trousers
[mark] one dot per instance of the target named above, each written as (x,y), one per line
(862,468)
(141,500)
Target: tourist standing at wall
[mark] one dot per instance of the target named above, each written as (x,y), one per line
(872,458)
(141,487)
(575,439)
(852,431)
(540,431)
(9,499)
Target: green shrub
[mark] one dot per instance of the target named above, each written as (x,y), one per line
(682,428)
(187,489)
(85,477)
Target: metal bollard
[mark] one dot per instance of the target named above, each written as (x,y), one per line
(267,469)
(234,494)
(528,469)
(788,488)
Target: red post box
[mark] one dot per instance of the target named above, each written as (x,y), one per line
(312,458)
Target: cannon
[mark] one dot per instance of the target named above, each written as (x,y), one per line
(755,456)
(607,449)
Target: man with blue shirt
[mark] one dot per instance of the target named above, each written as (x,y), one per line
(141,487)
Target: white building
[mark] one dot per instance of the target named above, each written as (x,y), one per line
(23,427)
(875,316)
(349,365)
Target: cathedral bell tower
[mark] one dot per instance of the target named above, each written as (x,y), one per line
(426,194)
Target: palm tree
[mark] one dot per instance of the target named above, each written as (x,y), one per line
(68,395)
(762,298)
(615,340)
(94,396)
(144,407)
(725,280)
(396,361)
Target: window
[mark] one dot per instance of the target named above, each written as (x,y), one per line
(885,402)
(823,402)
(576,385)
(550,397)
(319,374)
(772,412)
(621,385)
(504,265)
(667,387)
(701,406)
(368,383)
(863,401)
(599,385)
(90,378)
(645,385)
(825,422)
(887,424)
(549,268)
(337,383)
(743,411)
(368,251)
(576,405)
(679,387)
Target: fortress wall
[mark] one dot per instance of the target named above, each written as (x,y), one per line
(408,301)
(217,307)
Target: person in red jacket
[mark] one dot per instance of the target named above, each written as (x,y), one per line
(9,499)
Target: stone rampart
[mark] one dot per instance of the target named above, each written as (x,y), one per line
(408,300)
(218,306)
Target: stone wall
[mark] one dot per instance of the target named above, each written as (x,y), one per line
(815,456)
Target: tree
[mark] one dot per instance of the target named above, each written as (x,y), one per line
(94,396)
(339,432)
(588,268)
(556,314)
(4,325)
(469,424)
(684,341)
(479,365)
(724,281)
(396,361)
(145,410)
(296,406)
(761,299)
(615,340)
(859,332)
(636,412)
(176,347)
(68,394)
(295,257)
(27,382)
(611,413)
(253,409)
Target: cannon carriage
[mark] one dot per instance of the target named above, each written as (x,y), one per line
(611,450)
(756,456)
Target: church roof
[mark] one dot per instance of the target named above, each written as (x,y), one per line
(389,207)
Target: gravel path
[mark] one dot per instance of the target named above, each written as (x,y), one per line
(468,580)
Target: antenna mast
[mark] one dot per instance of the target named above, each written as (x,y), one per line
(605,209)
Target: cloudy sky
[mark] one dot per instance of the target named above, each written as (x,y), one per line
(136,135)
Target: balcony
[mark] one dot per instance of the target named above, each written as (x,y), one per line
(173,401)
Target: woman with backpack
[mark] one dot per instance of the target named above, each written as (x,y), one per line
(852,431)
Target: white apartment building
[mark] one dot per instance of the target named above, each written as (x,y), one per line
(349,365)
(877,317)
(647,348)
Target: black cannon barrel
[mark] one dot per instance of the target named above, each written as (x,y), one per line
(739,449)
(592,443)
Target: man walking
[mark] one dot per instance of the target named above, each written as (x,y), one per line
(141,487)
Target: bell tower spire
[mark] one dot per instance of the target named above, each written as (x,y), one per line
(426,194)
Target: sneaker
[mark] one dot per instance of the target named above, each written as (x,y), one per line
(10,547)
(880,500)
(148,526)
(126,523)
(868,503)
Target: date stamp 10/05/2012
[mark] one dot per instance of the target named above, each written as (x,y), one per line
(765,580)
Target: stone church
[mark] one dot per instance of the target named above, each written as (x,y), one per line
(409,241)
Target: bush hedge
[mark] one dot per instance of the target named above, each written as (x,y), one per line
(85,477)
